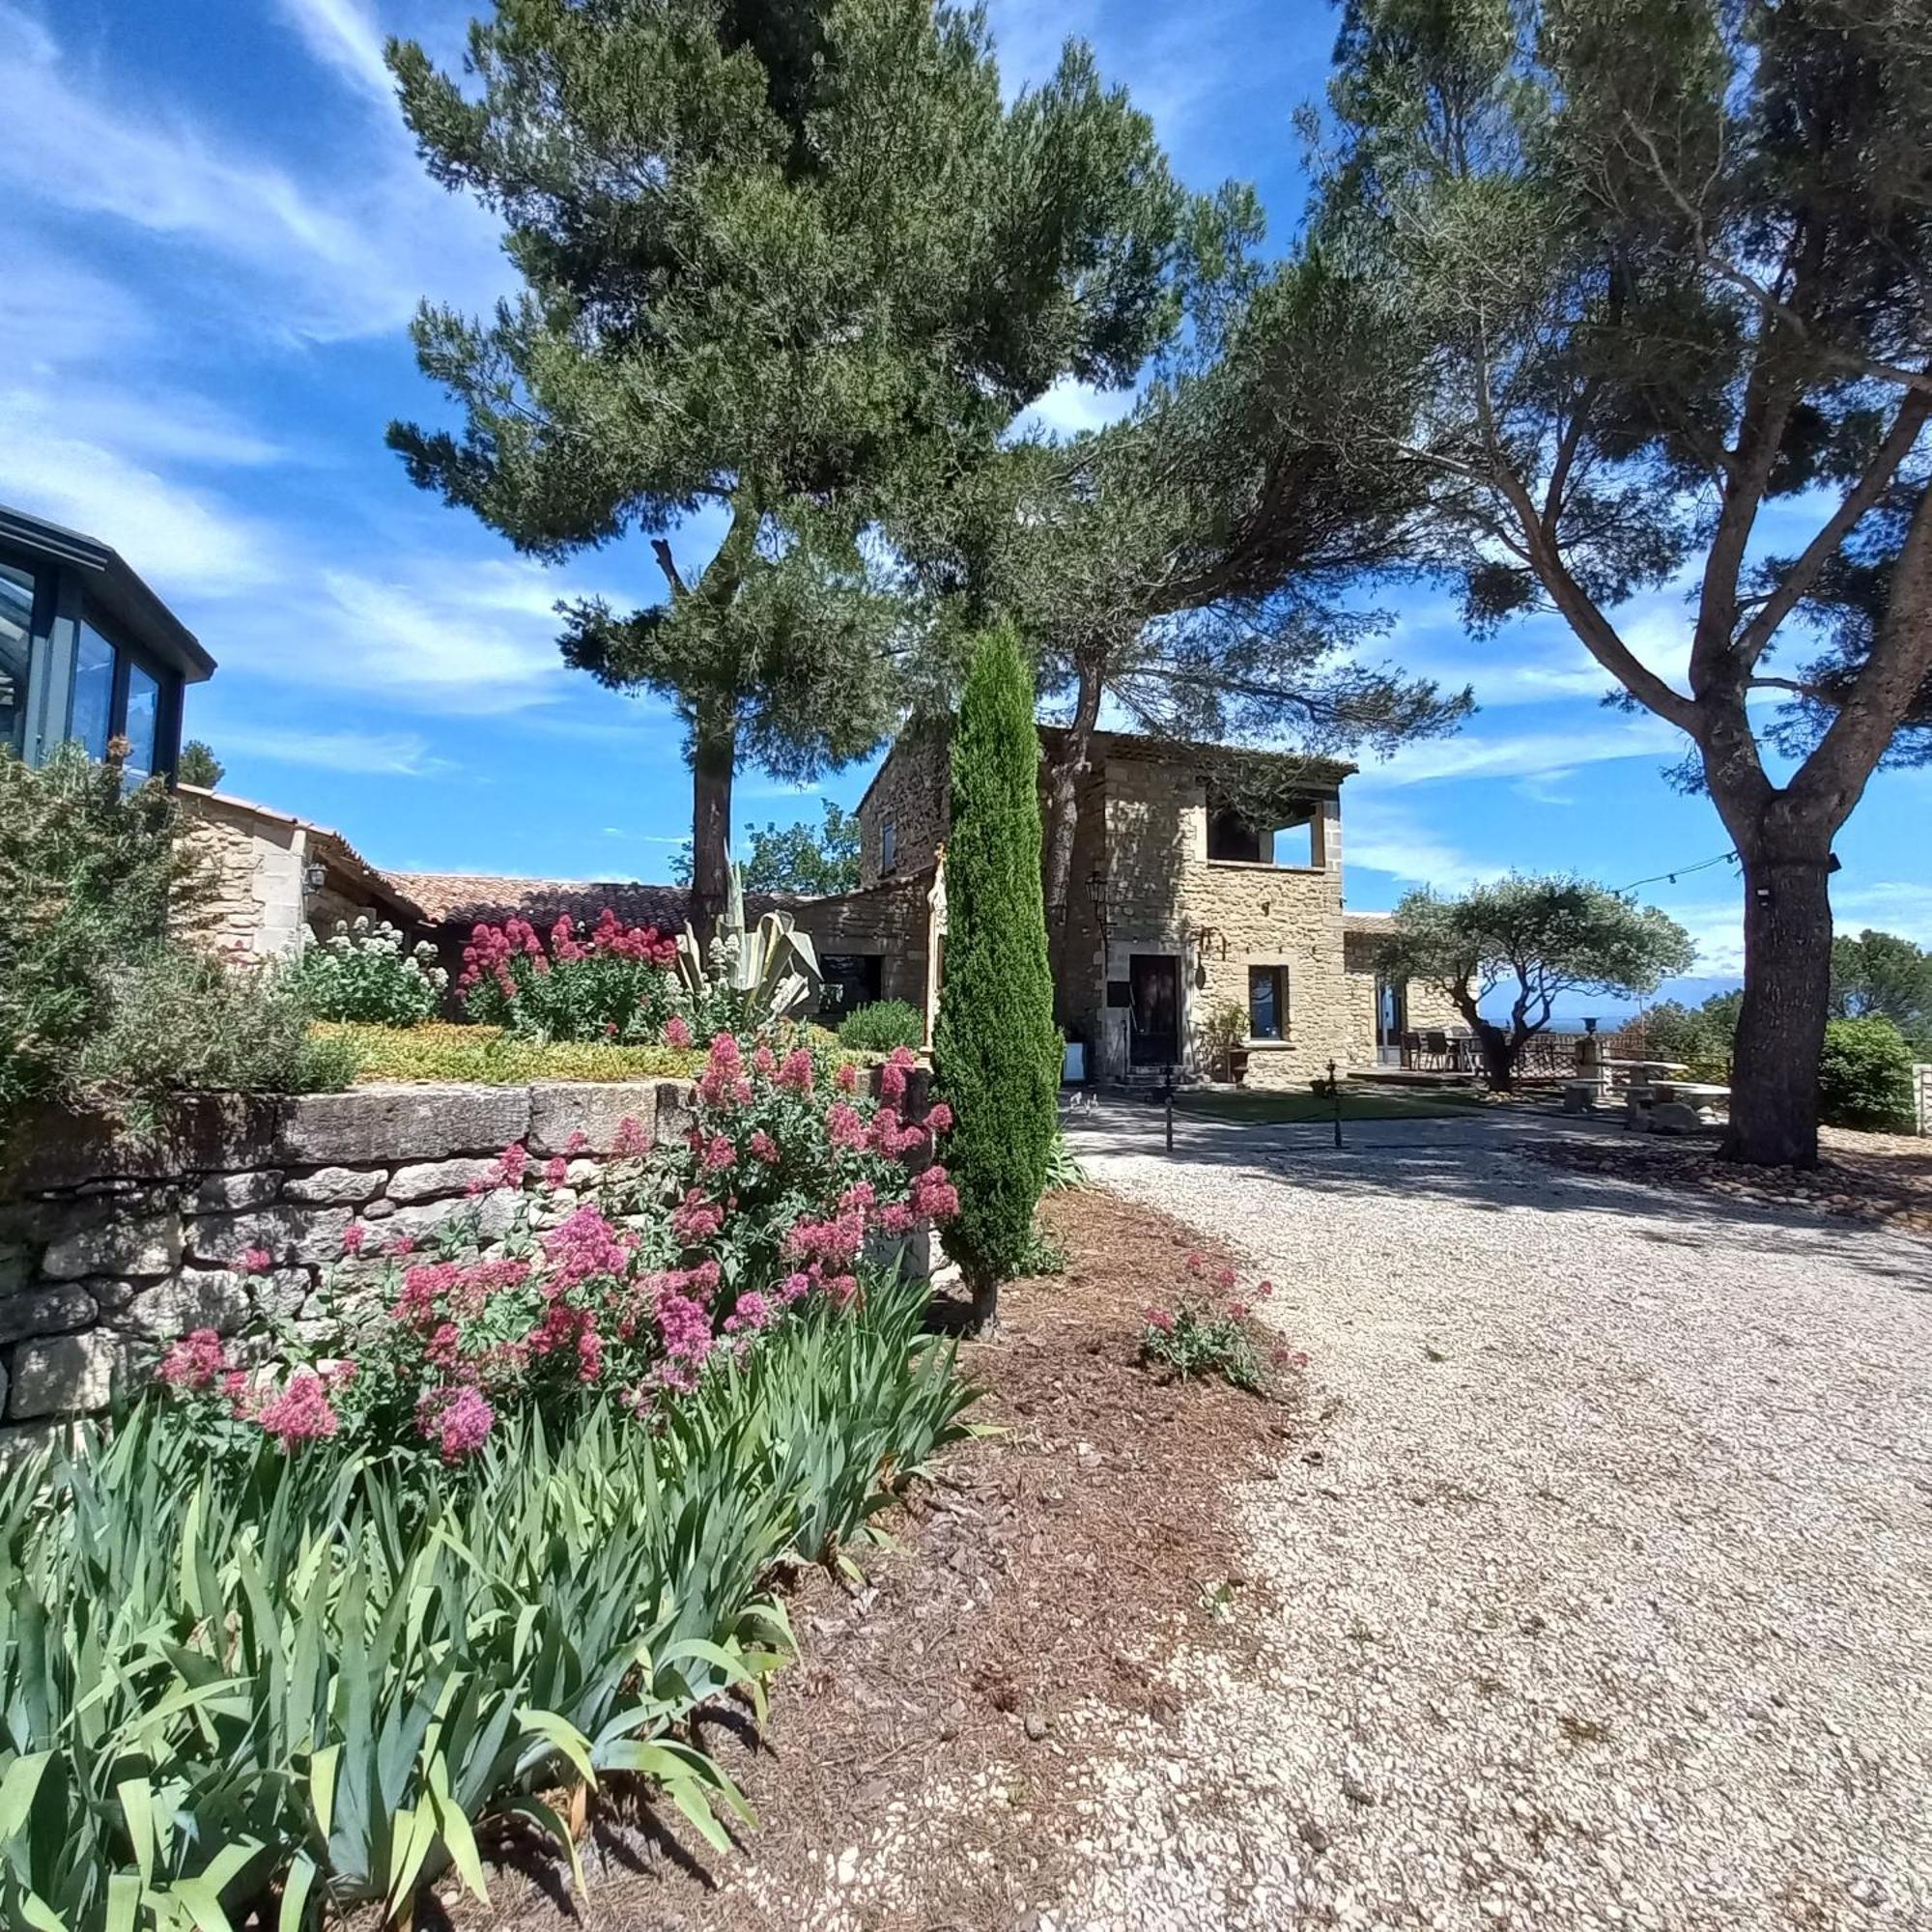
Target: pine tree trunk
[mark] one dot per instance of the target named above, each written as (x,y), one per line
(1063,824)
(714,755)
(1781,1025)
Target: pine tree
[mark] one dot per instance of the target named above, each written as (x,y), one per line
(786,260)
(995,1051)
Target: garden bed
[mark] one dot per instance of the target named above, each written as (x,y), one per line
(1883,1178)
(921,1766)
(487,1056)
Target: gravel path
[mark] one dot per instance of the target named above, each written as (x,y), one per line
(1605,1599)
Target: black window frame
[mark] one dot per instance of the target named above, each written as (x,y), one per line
(1275,977)
(128,656)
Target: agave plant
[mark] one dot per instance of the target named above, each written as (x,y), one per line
(750,979)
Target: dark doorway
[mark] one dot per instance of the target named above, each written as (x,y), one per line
(1155,1017)
(851,980)
(1391,1019)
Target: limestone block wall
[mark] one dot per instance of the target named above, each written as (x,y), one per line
(107,1251)
(256,864)
(889,920)
(913,794)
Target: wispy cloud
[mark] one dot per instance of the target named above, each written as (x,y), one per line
(367,754)
(1381,834)
(341,34)
(339,257)
(1528,754)
(1069,408)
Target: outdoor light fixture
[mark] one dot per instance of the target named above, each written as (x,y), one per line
(314,877)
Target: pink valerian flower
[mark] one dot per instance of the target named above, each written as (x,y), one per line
(300,1413)
(684,1325)
(798,1073)
(239,1392)
(578,1142)
(557,1171)
(753,1313)
(457,1420)
(584,1246)
(353,1236)
(590,1355)
(896,1217)
(1224,1279)
(257,1260)
(763,1148)
(695,1220)
(1196,1262)
(831,1244)
(676,1032)
(764,1061)
(1264,1291)
(792,1286)
(939,1118)
(841,1289)
(722,1083)
(719,1153)
(934,1198)
(196,1361)
(847,1077)
(844,1129)
(892,1075)
(1238,1310)
(510,1165)
(403,1245)
(1159,1318)
(631,1138)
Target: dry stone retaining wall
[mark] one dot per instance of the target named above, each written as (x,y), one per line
(108,1249)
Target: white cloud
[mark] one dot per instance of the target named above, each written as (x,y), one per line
(1529,755)
(1384,836)
(1071,408)
(341,32)
(373,755)
(344,256)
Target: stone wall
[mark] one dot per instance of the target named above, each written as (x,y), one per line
(255,864)
(889,922)
(913,794)
(108,1250)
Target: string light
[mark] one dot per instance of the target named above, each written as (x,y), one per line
(1682,873)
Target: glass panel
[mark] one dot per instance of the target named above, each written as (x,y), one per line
(1265,1001)
(144,717)
(92,716)
(17,619)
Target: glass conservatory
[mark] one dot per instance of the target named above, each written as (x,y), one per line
(87,651)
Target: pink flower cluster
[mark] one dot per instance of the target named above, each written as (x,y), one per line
(610,935)
(491,951)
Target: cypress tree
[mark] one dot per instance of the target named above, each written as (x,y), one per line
(995,1051)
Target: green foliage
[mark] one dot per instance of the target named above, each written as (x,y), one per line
(748,978)
(489,1057)
(1703,1037)
(1865,1076)
(996,1050)
(221,1673)
(1534,939)
(880,1025)
(792,260)
(794,858)
(99,1005)
(1879,973)
(197,765)
(1062,1166)
(366,972)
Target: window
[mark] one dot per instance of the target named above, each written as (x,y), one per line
(91,721)
(1268,1002)
(1230,836)
(889,847)
(144,717)
(16,621)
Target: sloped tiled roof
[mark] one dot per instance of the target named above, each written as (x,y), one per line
(325,843)
(464,898)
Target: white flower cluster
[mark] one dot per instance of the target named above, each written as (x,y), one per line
(367,971)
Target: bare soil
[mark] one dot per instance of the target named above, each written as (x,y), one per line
(1885,1178)
(917,1765)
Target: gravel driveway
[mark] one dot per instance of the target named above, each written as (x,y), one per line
(1606,1597)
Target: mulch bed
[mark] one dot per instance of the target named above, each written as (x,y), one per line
(1053,1563)
(1881,1178)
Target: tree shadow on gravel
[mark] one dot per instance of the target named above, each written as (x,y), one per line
(1534,1160)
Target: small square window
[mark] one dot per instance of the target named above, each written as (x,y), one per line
(889,846)
(1268,1002)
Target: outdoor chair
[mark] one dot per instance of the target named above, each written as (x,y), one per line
(1436,1047)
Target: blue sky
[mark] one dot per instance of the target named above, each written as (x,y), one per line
(215,230)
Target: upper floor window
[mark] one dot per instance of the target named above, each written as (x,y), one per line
(1230,836)
(889,846)
(90,718)
(1268,1002)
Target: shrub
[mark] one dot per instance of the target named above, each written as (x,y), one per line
(88,875)
(1200,1336)
(1865,1076)
(323,1671)
(614,985)
(366,971)
(995,1051)
(178,1020)
(882,1025)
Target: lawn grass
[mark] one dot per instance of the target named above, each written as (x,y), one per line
(487,1056)
(1358,1103)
